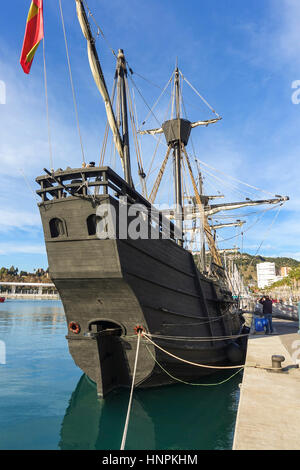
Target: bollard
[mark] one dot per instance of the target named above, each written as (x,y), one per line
(276,363)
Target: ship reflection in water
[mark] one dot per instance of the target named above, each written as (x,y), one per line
(174,417)
(39,411)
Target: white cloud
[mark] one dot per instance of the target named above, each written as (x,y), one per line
(24,145)
(289,32)
(12,248)
(11,219)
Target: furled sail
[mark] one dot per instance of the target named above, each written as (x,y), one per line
(98,76)
(215,208)
(193,124)
(205,123)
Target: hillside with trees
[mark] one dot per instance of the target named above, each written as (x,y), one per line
(13,274)
(292,280)
(247,265)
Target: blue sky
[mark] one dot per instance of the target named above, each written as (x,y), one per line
(242,56)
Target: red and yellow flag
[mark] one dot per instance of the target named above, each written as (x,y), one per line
(34,33)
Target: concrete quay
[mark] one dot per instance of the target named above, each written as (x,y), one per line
(28,291)
(31,296)
(269,409)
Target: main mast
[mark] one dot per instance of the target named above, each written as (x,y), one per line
(121,74)
(177,133)
(177,158)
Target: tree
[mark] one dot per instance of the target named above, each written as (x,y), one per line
(13,271)
(3,271)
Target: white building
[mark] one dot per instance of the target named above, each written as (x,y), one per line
(266,274)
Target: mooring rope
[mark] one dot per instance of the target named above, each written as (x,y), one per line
(199,338)
(189,383)
(131,393)
(242,366)
(189,362)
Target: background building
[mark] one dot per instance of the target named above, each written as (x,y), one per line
(266,274)
(284,271)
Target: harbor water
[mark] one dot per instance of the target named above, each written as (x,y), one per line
(47,403)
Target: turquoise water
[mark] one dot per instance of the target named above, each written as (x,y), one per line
(46,402)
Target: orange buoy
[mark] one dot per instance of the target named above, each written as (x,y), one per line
(139,329)
(74,327)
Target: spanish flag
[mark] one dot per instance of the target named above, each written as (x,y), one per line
(34,33)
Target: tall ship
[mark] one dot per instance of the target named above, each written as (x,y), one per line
(125,268)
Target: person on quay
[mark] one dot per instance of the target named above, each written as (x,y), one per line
(267,312)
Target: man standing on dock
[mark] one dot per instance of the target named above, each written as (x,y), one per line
(267,311)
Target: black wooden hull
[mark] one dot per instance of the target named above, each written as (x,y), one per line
(108,287)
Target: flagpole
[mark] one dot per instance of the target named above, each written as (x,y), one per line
(47,108)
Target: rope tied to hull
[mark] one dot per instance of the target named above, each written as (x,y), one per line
(189,383)
(145,335)
(203,339)
(240,367)
(139,334)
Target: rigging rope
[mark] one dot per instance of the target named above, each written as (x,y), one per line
(158,99)
(131,394)
(104,144)
(267,231)
(138,137)
(232,187)
(200,96)
(156,185)
(133,126)
(234,179)
(47,108)
(141,76)
(211,242)
(99,30)
(134,84)
(71,79)
(149,172)
(29,186)
(251,226)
